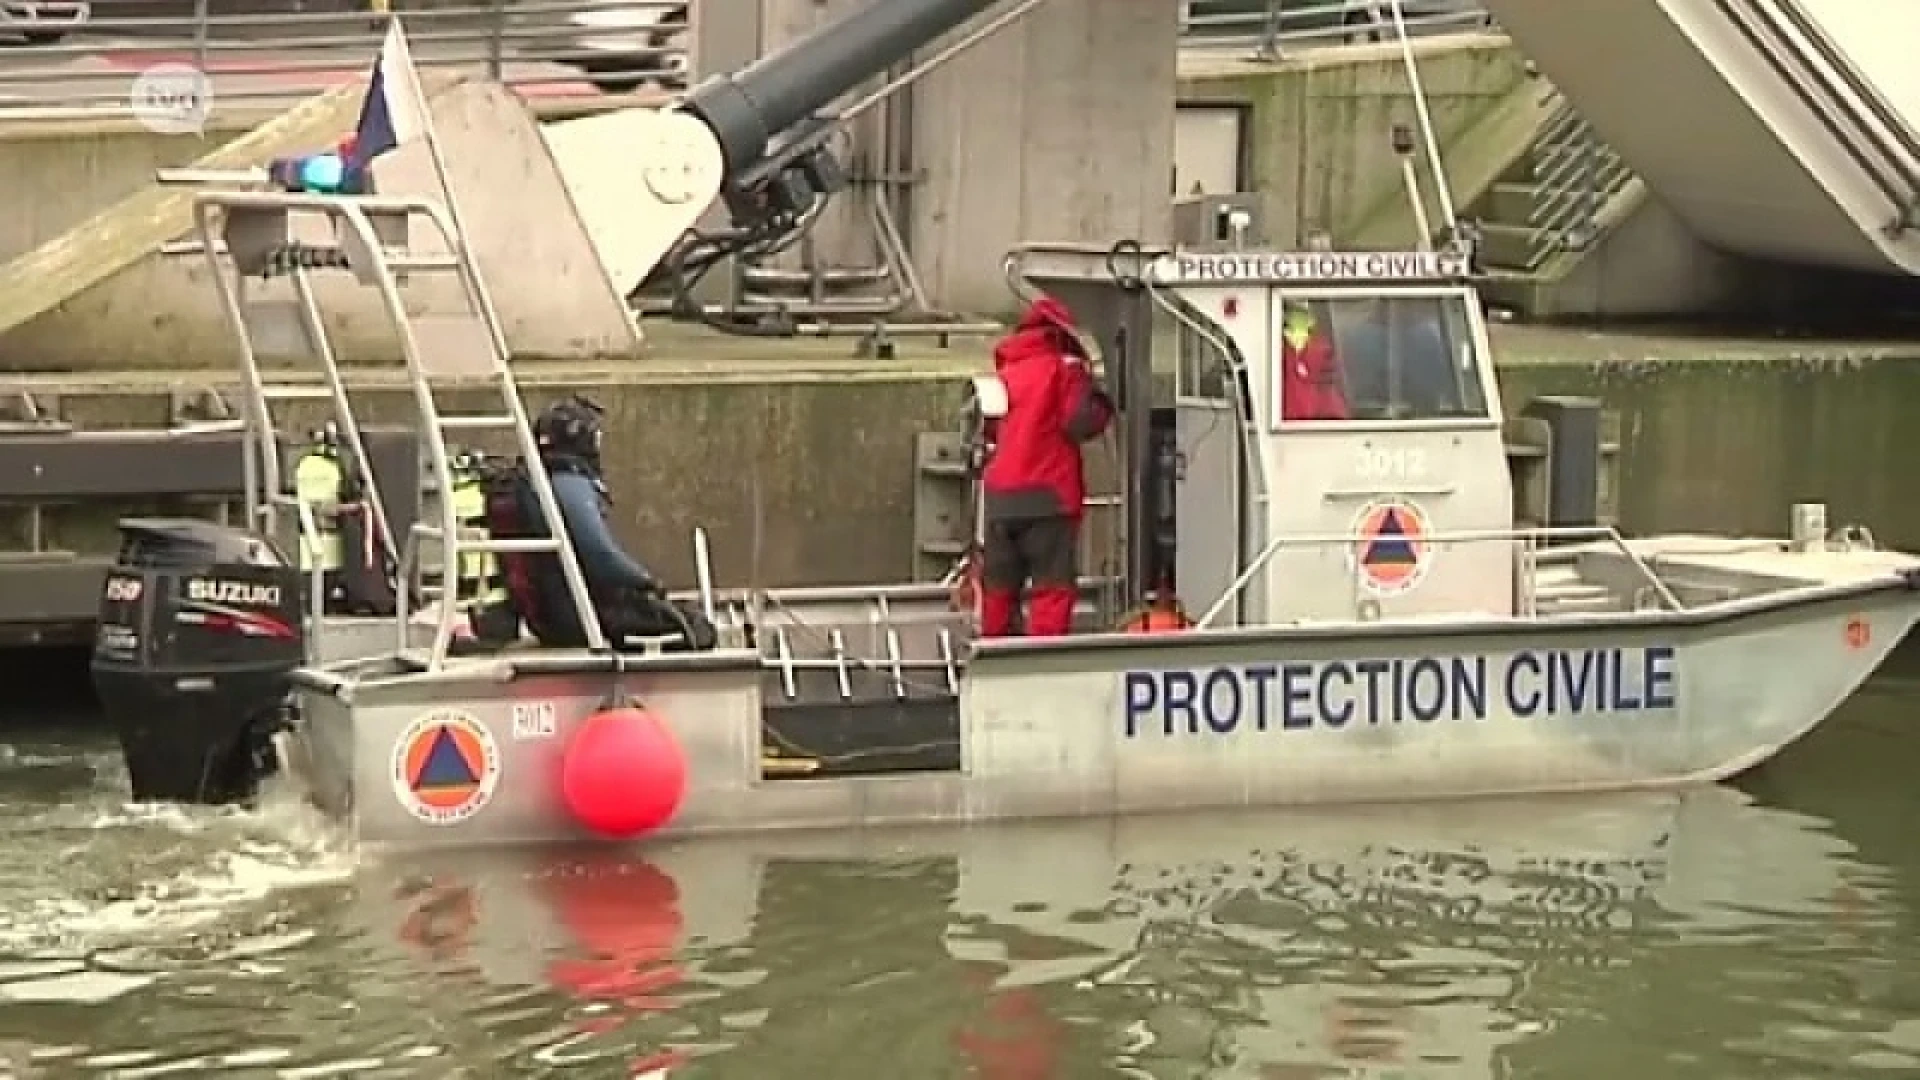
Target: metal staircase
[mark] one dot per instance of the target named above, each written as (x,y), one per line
(251,236)
(1560,590)
(1550,205)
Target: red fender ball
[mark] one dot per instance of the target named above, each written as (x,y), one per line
(623,775)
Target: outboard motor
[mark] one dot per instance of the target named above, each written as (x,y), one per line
(200,626)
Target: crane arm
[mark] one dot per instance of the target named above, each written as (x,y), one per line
(754,137)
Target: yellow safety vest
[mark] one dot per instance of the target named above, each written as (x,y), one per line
(317,483)
(478,582)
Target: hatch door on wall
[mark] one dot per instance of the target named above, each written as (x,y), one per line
(1208,150)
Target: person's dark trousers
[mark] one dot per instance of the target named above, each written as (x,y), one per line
(1042,552)
(652,615)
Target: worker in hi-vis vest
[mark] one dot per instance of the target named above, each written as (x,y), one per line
(479,582)
(319,485)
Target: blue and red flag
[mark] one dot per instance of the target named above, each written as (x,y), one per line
(395,111)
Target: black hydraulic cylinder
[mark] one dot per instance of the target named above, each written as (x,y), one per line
(751,107)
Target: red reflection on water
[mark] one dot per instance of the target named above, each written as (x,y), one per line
(626,918)
(1013,1037)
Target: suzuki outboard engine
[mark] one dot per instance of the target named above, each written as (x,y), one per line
(200,626)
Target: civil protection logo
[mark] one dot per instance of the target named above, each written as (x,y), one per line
(1391,550)
(445,767)
(172,99)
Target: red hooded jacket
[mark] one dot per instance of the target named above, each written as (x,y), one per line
(1310,377)
(1053,406)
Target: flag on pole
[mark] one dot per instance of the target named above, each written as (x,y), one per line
(395,111)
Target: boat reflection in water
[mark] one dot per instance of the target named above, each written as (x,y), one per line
(1366,943)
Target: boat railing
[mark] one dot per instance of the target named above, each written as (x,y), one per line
(1531,539)
(405,586)
(313,546)
(902,673)
(703,572)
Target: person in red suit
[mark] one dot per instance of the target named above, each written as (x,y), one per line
(1034,483)
(1310,383)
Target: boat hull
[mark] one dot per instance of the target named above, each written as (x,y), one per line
(1101,724)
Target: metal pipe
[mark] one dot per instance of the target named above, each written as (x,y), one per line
(897,183)
(200,35)
(749,108)
(703,564)
(938,59)
(890,238)
(212,177)
(1417,201)
(759,304)
(828,330)
(1420,112)
(836,276)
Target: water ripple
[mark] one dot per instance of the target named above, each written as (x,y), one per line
(1699,936)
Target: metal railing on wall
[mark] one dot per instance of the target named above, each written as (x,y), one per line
(1575,176)
(126,57)
(1274,27)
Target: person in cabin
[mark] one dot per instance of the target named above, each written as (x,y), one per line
(1034,482)
(628,599)
(1311,387)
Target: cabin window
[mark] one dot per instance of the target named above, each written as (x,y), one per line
(1377,358)
(1204,370)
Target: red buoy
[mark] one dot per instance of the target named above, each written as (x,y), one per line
(623,775)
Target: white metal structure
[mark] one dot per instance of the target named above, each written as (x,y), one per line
(250,236)
(1780,129)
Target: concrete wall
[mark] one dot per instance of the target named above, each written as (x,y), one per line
(1058,128)
(826,442)
(1646,264)
(1723,435)
(1321,155)
(1649,266)
(546,283)
(73,170)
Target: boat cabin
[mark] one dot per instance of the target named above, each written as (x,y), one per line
(1339,440)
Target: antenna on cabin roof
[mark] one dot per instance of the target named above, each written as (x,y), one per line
(1432,146)
(1403,146)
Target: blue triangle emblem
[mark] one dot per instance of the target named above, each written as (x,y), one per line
(445,766)
(1390,546)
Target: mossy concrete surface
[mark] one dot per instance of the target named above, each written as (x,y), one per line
(802,436)
(816,444)
(1321,151)
(1724,435)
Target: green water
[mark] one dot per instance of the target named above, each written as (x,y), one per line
(1762,932)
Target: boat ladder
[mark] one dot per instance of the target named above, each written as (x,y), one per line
(249,237)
